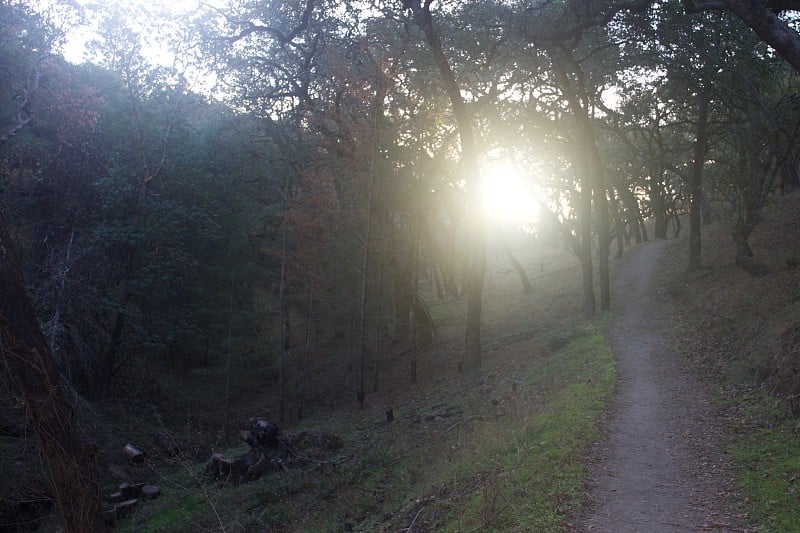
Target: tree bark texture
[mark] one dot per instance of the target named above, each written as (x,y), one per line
(476,272)
(70,459)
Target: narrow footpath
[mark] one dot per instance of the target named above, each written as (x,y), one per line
(662,465)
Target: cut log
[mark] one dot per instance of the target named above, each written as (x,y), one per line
(132,453)
(131,492)
(223,467)
(151,492)
(124,508)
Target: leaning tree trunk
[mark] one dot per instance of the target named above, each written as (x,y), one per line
(69,457)
(742,229)
(523,276)
(766,23)
(476,272)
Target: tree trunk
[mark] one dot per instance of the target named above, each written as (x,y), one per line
(603,223)
(696,179)
(362,304)
(770,28)
(476,272)
(414,315)
(307,351)
(362,318)
(744,254)
(659,206)
(591,179)
(523,276)
(282,325)
(402,295)
(69,457)
(227,413)
(589,306)
(378,327)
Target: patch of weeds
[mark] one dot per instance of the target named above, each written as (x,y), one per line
(769,461)
(533,474)
(177,515)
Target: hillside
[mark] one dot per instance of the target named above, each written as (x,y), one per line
(510,450)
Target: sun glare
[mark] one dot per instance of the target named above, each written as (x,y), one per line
(506,197)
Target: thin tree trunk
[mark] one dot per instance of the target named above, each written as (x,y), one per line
(378,327)
(414,315)
(69,457)
(589,306)
(437,283)
(603,223)
(696,180)
(362,319)
(659,206)
(228,367)
(362,313)
(282,325)
(307,352)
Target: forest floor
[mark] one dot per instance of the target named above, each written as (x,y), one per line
(663,465)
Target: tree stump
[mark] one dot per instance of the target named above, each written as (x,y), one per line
(223,467)
(133,454)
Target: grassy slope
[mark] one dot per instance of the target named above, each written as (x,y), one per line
(506,451)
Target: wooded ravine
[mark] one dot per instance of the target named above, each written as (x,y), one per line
(402,265)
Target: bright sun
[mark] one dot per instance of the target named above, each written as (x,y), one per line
(506,197)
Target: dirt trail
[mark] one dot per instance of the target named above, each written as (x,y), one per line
(662,466)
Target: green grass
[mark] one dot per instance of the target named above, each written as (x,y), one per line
(532,475)
(769,475)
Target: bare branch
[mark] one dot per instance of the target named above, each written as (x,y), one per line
(282,38)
